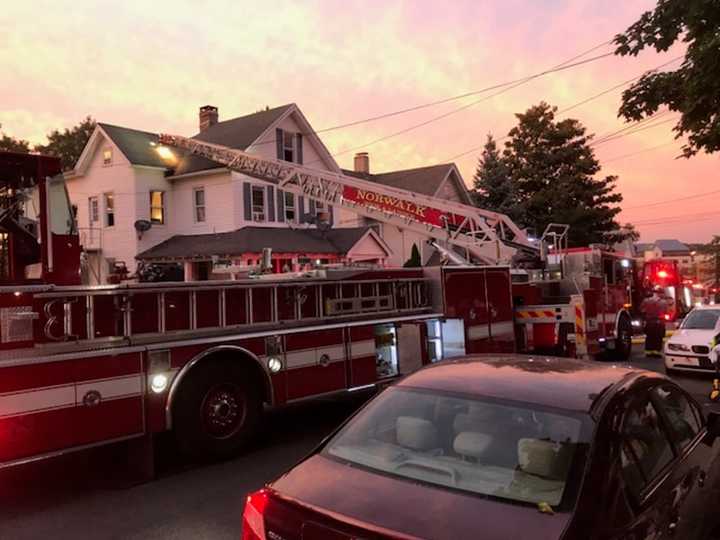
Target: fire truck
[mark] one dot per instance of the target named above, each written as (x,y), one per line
(82,366)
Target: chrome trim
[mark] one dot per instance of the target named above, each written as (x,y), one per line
(177,379)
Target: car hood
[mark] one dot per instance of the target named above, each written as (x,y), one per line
(693,337)
(410,508)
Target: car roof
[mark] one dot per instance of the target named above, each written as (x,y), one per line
(704,307)
(564,383)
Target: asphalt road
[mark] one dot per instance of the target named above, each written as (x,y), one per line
(75,497)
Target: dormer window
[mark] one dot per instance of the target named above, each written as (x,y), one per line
(107,156)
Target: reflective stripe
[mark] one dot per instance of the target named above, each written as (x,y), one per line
(358,349)
(112,388)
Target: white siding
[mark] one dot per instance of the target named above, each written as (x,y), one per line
(220,204)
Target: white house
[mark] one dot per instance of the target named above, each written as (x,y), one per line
(137,200)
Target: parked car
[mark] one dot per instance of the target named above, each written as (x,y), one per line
(503,448)
(689,347)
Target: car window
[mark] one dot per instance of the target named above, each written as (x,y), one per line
(646,448)
(701,319)
(683,422)
(516,451)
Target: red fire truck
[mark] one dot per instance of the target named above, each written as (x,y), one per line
(82,366)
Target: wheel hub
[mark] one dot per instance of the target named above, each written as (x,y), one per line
(223,411)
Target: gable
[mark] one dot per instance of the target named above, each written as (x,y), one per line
(453,189)
(369,247)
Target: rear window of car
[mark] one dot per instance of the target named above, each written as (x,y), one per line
(507,450)
(701,319)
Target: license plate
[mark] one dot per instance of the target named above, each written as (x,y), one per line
(687,361)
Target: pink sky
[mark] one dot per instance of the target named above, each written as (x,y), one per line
(151,65)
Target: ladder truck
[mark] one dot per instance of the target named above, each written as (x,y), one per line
(84,366)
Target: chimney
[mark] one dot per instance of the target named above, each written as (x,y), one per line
(362,162)
(208,116)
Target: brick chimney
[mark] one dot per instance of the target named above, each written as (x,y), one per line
(208,116)
(362,162)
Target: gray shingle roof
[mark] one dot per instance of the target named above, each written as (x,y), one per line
(424,180)
(253,240)
(672,246)
(136,145)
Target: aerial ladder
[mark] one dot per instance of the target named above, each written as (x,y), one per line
(484,236)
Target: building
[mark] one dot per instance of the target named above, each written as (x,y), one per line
(140,201)
(669,249)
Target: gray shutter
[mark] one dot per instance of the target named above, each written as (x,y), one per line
(332,216)
(312,208)
(271,203)
(299,141)
(247,201)
(301,209)
(280,205)
(279,142)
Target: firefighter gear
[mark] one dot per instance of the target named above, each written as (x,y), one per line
(653,309)
(715,359)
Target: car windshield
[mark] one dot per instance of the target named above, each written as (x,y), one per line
(701,319)
(515,451)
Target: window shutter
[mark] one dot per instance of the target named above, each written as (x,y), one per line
(301,209)
(312,207)
(247,201)
(279,142)
(280,205)
(332,217)
(299,140)
(271,203)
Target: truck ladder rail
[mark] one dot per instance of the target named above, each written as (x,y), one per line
(489,236)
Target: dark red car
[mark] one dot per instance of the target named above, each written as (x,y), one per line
(507,448)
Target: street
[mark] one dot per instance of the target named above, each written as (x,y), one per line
(69,498)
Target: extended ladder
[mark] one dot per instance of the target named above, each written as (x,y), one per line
(488,236)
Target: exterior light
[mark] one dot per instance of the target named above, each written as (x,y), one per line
(274,364)
(17,293)
(662,274)
(158,383)
(625,263)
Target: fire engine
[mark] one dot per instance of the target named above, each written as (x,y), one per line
(82,366)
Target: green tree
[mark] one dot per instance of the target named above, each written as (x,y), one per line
(492,186)
(414,261)
(553,171)
(712,249)
(11,144)
(68,144)
(694,88)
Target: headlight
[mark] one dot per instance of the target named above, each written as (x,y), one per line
(678,347)
(158,383)
(636,323)
(274,364)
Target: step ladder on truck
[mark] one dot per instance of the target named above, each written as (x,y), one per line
(82,366)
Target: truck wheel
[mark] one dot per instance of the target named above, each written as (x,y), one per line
(623,341)
(218,411)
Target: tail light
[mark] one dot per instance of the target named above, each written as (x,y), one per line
(666,316)
(253,523)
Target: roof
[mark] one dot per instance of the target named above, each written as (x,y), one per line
(643,247)
(424,180)
(137,146)
(555,382)
(238,133)
(253,240)
(672,246)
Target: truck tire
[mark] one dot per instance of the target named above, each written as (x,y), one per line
(217,411)
(623,340)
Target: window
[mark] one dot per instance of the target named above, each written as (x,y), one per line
(646,448)
(199,203)
(491,449)
(319,206)
(157,207)
(290,214)
(682,418)
(109,209)
(107,156)
(288,146)
(258,203)
(93,210)
(701,319)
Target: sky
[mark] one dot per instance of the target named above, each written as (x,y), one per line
(151,65)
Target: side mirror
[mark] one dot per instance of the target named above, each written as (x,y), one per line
(713,424)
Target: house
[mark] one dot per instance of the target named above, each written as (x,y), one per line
(138,200)
(669,249)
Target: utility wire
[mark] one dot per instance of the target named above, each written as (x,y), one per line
(631,154)
(643,128)
(667,201)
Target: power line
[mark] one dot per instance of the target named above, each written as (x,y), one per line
(643,128)
(631,154)
(631,125)
(676,218)
(658,203)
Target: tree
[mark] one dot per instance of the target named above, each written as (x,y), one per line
(11,144)
(694,88)
(712,250)
(414,261)
(68,144)
(492,185)
(553,169)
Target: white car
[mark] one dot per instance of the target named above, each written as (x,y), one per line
(690,347)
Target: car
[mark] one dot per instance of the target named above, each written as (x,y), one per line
(690,347)
(506,447)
